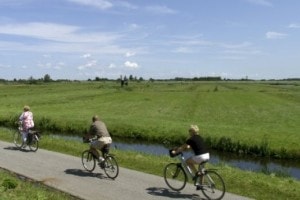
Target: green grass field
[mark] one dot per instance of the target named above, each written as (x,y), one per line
(251,117)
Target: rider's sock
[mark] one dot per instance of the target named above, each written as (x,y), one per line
(101,159)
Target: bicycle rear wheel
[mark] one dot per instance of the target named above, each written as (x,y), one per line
(111,168)
(213,185)
(88,160)
(175,177)
(18,141)
(34,144)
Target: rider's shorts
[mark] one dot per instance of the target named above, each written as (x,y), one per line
(201,158)
(98,144)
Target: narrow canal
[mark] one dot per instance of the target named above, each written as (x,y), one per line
(285,168)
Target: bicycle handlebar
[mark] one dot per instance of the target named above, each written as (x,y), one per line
(174,155)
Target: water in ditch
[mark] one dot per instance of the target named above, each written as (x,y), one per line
(285,168)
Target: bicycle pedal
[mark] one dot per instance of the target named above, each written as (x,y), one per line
(199,187)
(101,165)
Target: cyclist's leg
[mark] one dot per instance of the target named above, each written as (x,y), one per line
(198,159)
(191,163)
(29,137)
(93,148)
(105,144)
(105,150)
(24,137)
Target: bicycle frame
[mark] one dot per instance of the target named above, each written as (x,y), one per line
(185,167)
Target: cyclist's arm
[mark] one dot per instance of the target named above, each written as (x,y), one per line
(181,148)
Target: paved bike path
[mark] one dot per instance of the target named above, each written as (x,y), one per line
(66,173)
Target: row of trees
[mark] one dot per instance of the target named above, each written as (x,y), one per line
(47,78)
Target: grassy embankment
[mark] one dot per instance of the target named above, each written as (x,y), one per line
(246,117)
(14,187)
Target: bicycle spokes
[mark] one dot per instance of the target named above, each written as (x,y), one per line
(176,173)
(111,167)
(213,185)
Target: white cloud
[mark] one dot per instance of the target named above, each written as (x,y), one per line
(56,32)
(129,54)
(160,10)
(38,30)
(111,66)
(47,56)
(243,52)
(54,38)
(293,25)
(275,35)
(105,4)
(101,4)
(132,65)
(232,58)
(89,64)
(59,65)
(260,2)
(87,55)
(182,50)
(49,65)
(4,66)
(133,26)
(236,46)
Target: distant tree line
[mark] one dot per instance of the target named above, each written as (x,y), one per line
(124,80)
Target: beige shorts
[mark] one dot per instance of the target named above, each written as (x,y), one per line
(99,144)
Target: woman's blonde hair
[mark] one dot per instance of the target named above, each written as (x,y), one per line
(26,108)
(194,128)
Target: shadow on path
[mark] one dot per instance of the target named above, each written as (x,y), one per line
(17,149)
(172,194)
(84,173)
(12,148)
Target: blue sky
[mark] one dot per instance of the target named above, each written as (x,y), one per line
(82,39)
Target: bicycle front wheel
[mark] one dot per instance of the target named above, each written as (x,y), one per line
(34,144)
(88,160)
(175,177)
(213,185)
(18,141)
(111,168)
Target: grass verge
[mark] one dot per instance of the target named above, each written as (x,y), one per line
(13,186)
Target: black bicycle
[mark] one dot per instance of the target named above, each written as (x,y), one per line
(109,165)
(32,139)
